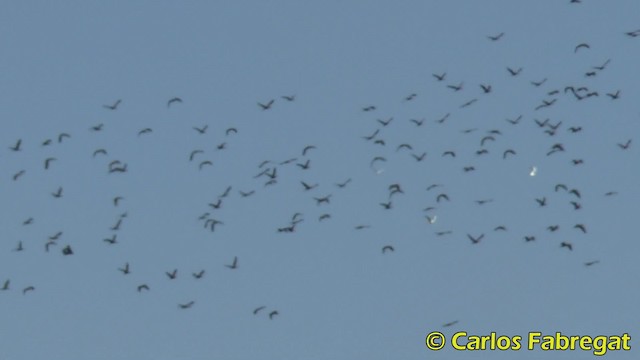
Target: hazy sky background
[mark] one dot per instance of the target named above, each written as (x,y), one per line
(338,296)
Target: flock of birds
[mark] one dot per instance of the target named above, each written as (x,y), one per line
(384,149)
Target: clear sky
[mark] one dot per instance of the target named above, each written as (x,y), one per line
(337,295)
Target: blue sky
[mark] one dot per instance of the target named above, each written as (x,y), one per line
(337,295)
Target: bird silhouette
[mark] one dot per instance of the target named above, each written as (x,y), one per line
(172,275)
(234,265)
(173,101)
(113,106)
(266,106)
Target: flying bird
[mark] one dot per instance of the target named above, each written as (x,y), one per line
(125,270)
(387,248)
(234,265)
(187,305)
(579,46)
(114,106)
(173,100)
(495,37)
(172,275)
(266,106)
(475,240)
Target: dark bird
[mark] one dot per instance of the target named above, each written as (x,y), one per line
(27,289)
(143,287)
(567,245)
(553,228)
(450,324)
(29,221)
(16,147)
(67,250)
(266,106)
(256,310)
(404,146)
(495,37)
(442,119)
(272,314)
(234,265)
(614,96)
(245,194)
(362,227)
(172,275)
(97,127)
(514,72)
(18,174)
(48,244)
(368,108)
(57,194)
(206,162)
(439,77)
(344,183)
(442,196)
(116,227)
(62,136)
(125,270)
(561,186)
(538,83)
(579,46)
(114,106)
(529,238)
(48,161)
(19,247)
(112,240)
(486,138)
(5,287)
(581,227)
(506,152)
(322,199)
(577,161)
(450,153)
(201,130)
(601,67)
(144,131)
(541,123)
(475,240)
(575,192)
(387,248)
(289,98)
(116,200)
(626,145)
(372,136)
(198,275)
(576,205)
(468,103)
(187,305)
(417,122)
(308,187)
(305,165)
(486,88)
(386,205)
(575,129)
(456,87)
(306,149)
(173,100)
(100,151)
(590,263)
(324,217)
(217,204)
(385,123)
(419,157)
(410,97)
